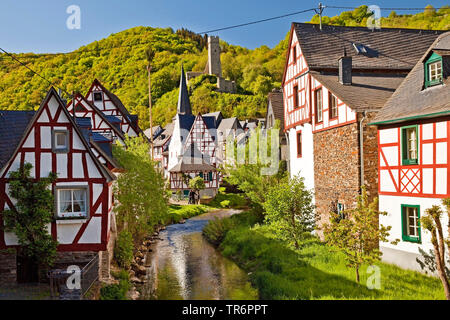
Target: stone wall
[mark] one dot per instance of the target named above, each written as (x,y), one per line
(336,168)
(337,165)
(8,267)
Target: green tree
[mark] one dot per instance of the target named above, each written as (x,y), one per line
(140,194)
(196,184)
(31,214)
(289,210)
(359,233)
(432,223)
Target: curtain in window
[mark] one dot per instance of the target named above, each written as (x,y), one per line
(79,201)
(65,201)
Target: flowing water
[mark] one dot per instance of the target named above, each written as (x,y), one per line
(183,265)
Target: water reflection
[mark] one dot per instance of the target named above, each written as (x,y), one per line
(183,265)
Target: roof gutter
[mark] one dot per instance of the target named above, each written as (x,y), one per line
(430,115)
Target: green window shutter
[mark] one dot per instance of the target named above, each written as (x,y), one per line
(201,174)
(210,176)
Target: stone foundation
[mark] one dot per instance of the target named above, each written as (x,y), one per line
(8,267)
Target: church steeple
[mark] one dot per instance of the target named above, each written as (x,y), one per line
(184,106)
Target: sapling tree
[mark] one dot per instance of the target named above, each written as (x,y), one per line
(141,198)
(432,222)
(289,210)
(358,234)
(32,212)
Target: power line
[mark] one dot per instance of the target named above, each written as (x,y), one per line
(399,9)
(36,73)
(257,21)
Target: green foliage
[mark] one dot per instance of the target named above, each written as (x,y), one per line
(289,210)
(197,183)
(358,234)
(117,291)
(123,252)
(225,203)
(32,212)
(235,200)
(142,200)
(120,63)
(314,271)
(430,19)
(179,212)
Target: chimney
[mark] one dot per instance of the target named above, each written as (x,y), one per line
(345,70)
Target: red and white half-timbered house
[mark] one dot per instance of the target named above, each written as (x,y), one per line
(110,105)
(335,79)
(51,141)
(414,154)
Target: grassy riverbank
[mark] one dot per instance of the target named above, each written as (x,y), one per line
(313,272)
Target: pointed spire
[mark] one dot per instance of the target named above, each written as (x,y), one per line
(184,106)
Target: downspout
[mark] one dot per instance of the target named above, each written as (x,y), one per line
(361,149)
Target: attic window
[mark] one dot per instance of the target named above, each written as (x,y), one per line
(433,70)
(60,141)
(98,96)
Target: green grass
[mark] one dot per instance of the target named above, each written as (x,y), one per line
(315,271)
(179,212)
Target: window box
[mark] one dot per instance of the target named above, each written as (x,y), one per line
(411,223)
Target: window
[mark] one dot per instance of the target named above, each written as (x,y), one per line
(319,105)
(409,145)
(296,104)
(433,70)
(411,223)
(299,144)
(60,141)
(72,203)
(332,106)
(294,53)
(98,96)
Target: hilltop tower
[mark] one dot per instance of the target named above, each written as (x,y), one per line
(214,66)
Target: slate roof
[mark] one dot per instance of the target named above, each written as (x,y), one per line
(276,101)
(411,100)
(165,135)
(210,122)
(228,123)
(184,106)
(12,128)
(396,48)
(186,121)
(367,91)
(192,161)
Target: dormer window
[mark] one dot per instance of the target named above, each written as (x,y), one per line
(433,70)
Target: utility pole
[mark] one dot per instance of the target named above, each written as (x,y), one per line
(149,68)
(319,12)
(150,54)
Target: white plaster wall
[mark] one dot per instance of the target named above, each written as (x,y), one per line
(392,205)
(305,164)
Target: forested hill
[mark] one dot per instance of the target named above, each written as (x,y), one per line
(119,62)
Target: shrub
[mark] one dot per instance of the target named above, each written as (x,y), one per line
(235,200)
(225,203)
(124,249)
(119,290)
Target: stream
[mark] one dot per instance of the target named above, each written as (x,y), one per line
(183,265)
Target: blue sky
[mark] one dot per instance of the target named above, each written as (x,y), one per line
(40,26)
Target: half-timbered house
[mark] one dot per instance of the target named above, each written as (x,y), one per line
(414,154)
(51,140)
(335,79)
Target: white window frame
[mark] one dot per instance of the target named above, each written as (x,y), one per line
(72,214)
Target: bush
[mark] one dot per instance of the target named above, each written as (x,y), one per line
(235,200)
(124,249)
(179,212)
(225,203)
(117,291)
